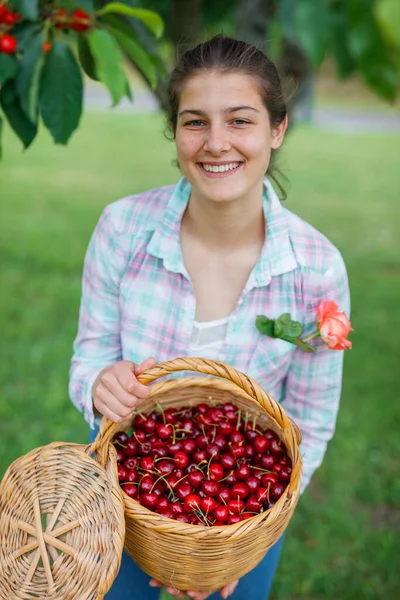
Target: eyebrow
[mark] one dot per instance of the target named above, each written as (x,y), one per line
(232,109)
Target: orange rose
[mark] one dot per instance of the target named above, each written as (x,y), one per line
(333,326)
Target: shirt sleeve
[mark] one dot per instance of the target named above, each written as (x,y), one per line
(98,342)
(314,381)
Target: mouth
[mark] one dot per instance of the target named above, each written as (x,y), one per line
(214,170)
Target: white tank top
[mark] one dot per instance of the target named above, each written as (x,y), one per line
(208,338)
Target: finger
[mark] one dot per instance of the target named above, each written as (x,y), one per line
(176,593)
(155,583)
(149,363)
(127,378)
(198,595)
(229,589)
(112,384)
(108,400)
(109,414)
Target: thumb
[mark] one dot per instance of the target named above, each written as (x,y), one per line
(149,363)
(229,589)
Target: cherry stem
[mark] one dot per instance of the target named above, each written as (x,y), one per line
(160,408)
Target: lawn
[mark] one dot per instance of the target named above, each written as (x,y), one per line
(343,540)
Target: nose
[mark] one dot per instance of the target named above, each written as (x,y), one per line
(217,140)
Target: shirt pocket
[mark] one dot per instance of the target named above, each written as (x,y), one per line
(270,362)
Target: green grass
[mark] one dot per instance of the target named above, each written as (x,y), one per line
(343,540)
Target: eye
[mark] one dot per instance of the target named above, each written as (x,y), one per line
(240,122)
(195,123)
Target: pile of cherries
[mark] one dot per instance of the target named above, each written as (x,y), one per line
(206,465)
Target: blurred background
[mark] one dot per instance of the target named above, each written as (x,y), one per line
(341,164)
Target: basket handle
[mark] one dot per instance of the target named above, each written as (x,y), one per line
(207,367)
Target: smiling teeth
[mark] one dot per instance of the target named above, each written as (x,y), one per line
(220,168)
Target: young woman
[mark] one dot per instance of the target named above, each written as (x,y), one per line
(185,270)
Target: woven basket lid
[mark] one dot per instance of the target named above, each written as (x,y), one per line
(62,525)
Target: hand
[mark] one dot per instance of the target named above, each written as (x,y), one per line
(225,592)
(116,392)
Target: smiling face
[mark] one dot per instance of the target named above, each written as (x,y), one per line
(224,137)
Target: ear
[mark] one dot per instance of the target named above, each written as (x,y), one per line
(278,133)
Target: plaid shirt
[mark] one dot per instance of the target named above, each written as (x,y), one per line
(138,301)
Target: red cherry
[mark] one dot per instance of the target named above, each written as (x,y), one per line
(195,478)
(261,444)
(224,495)
(81,21)
(243,472)
(216,415)
(144,449)
(232,417)
(139,435)
(231,478)
(194,519)
(120,438)
(202,408)
(216,472)
(166,512)
(277,490)
(207,504)
(253,505)
(251,435)
(236,437)
(182,518)
(246,515)
(227,461)
(268,461)
(271,435)
(277,468)
(120,455)
(221,513)
(191,503)
(165,466)
(212,451)
(163,503)
(275,446)
(3,12)
(171,481)
(122,473)
(210,488)
(170,416)
(232,519)
(224,428)
(131,448)
(159,449)
(130,489)
(177,507)
(201,441)
(238,451)
(146,483)
(149,500)
(240,490)
(147,463)
(181,459)
(11,18)
(183,490)
(249,451)
(253,484)
(164,431)
(149,426)
(236,505)
(158,489)
(132,476)
(188,446)
(138,421)
(200,455)
(175,447)
(188,426)
(221,442)
(262,494)
(228,406)
(269,479)
(285,474)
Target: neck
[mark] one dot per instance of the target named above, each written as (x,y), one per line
(226,225)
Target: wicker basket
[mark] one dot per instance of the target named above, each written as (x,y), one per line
(190,557)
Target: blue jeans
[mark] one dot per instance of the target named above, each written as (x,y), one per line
(132,583)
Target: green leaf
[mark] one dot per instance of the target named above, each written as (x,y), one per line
(86,57)
(265,325)
(87,5)
(24,31)
(286,329)
(8,67)
(387,13)
(27,8)
(137,53)
(19,122)
(109,62)
(151,19)
(128,91)
(312,21)
(28,76)
(61,90)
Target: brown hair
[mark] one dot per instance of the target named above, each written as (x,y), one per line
(228,55)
